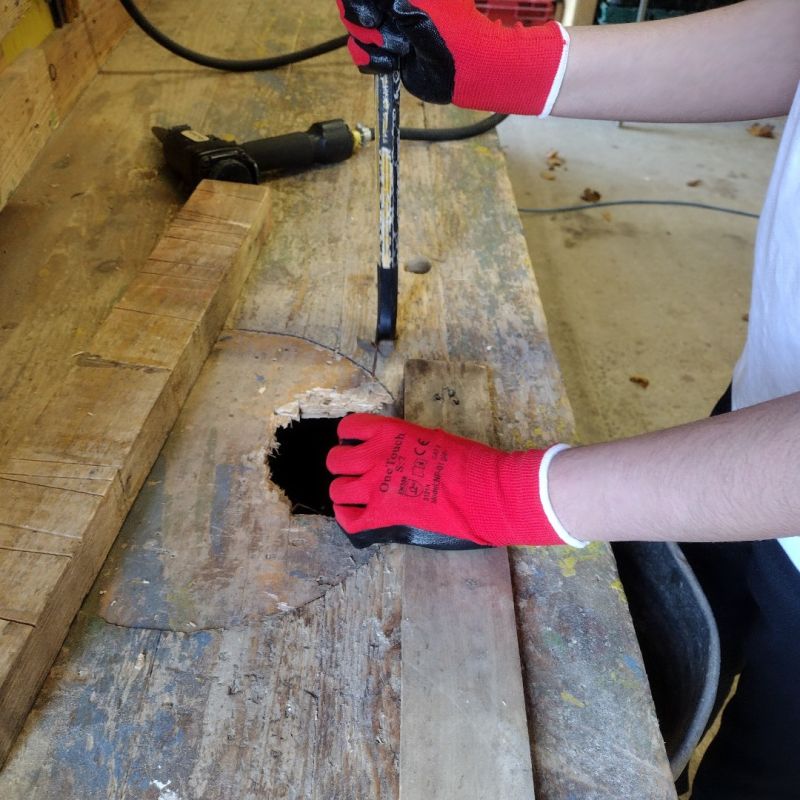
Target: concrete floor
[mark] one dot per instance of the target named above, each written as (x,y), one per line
(655,293)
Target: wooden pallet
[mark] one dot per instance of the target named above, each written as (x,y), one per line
(181,672)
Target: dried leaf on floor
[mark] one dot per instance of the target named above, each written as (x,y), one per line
(554,160)
(762,130)
(640,380)
(695,182)
(590,195)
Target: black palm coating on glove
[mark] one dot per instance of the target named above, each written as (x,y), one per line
(409,36)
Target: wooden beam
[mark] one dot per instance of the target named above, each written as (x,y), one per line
(66,488)
(463,729)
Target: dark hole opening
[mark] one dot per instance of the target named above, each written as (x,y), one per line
(297,465)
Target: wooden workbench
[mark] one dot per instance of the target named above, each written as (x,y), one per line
(229,649)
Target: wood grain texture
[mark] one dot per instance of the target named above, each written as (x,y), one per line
(71,64)
(103,209)
(210,542)
(41,86)
(588,695)
(464,732)
(25,89)
(11,11)
(104,427)
(258,653)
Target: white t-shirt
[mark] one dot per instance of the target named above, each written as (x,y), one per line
(769,366)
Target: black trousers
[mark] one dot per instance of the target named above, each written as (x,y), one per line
(754,592)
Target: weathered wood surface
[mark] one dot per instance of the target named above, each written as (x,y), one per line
(463,729)
(258,652)
(41,86)
(211,542)
(75,474)
(24,87)
(479,303)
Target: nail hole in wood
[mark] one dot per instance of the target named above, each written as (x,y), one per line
(297,464)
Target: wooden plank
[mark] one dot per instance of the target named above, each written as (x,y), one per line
(56,511)
(105,22)
(12,640)
(11,11)
(14,538)
(112,412)
(302,705)
(464,731)
(41,85)
(25,88)
(28,580)
(71,64)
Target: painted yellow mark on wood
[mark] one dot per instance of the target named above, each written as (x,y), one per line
(31,30)
(617,587)
(568,566)
(570,562)
(570,698)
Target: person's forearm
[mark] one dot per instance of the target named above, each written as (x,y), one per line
(730,477)
(736,62)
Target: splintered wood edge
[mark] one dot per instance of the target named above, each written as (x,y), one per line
(321,403)
(24,671)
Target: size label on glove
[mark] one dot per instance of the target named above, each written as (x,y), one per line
(415,468)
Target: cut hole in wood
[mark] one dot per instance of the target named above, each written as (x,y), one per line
(297,464)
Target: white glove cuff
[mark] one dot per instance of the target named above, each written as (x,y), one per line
(559,78)
(544,496)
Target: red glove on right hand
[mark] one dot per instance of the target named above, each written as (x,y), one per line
(449,52)
(404,483)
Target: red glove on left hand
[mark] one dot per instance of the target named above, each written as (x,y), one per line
(405,483)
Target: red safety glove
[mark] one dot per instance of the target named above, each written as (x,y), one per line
(448,52)
(405,483)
